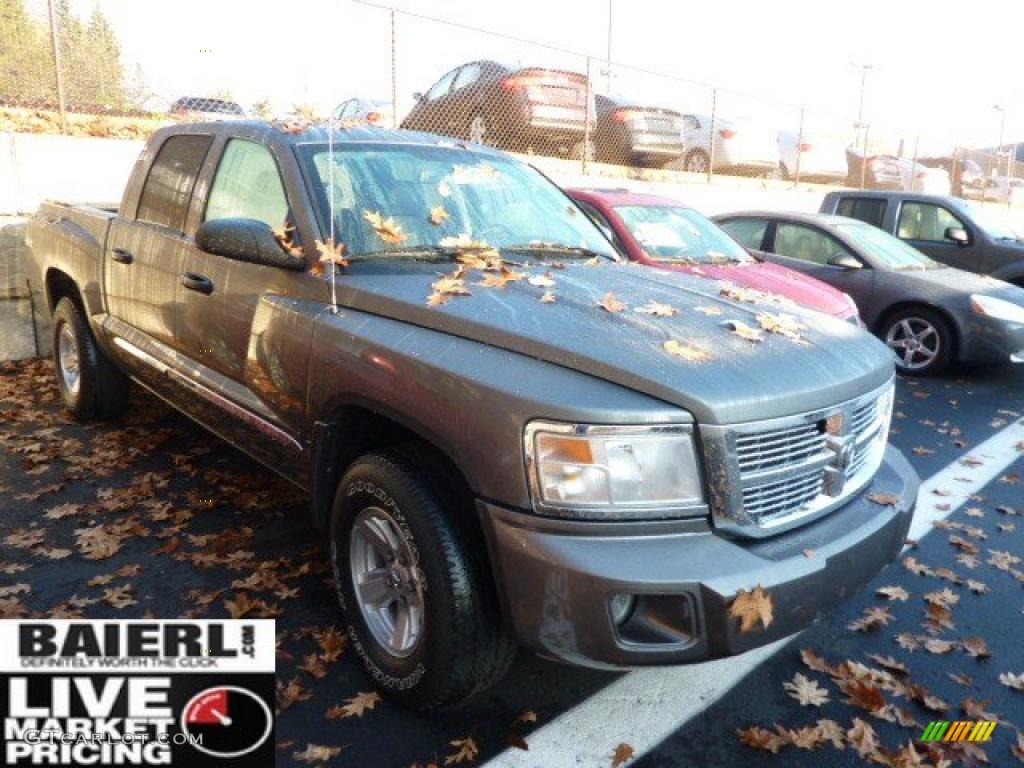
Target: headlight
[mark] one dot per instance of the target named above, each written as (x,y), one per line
(610,472)
(998,309)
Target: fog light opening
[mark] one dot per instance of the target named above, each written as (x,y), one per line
(621,608)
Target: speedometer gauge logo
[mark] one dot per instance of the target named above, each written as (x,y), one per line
(227,721)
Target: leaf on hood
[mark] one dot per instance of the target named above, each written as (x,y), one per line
(760,738)
(946,597)
(863,738)
(689,352)
(316,753)
(806,691)
(387,230)
(745,331)
(873,618)
(709,311)
(448,286)
(1012,681)
(893,593)
(976,647)
(656,309)
(466,751)
(501,279)
(438,215)
(548,298)
(937,646)
(889,663)
(752,607)
(611,304)
(541,281)
(782,325)
(356,706)
(884,498)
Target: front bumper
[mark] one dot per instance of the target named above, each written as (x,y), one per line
(556,580)
(988,340)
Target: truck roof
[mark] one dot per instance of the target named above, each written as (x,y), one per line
(283,134)
(894,194)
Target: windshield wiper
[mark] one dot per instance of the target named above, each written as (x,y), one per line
(578,251)
(417,253)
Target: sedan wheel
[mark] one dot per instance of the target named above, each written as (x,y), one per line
(697,162)
(920,340)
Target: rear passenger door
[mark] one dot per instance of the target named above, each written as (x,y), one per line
(146,245)
(924,224)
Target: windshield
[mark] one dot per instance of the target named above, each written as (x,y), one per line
(396,198)
(996,225)
(677,234)
(883,247)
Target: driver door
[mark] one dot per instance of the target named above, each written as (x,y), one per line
(923,225)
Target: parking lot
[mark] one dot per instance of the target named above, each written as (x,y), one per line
(153,516)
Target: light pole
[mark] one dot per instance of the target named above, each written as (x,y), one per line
(1002,127)
(608,58)
(863,85)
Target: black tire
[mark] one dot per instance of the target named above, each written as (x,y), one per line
(101,390)
(697,161)
(917,317)
(463,648)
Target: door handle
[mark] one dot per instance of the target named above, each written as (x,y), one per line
(199,283)
(122,256)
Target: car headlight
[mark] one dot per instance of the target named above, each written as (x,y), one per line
(998,309)
(613,472)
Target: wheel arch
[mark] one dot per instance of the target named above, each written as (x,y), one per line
(60,284)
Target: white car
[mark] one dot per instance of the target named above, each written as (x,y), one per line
(999,189)
(816,158)
(920,178)
(741,146)
(374,111)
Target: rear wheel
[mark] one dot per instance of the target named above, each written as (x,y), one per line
(921,341)
(418,606)
(697,161)
(90,385)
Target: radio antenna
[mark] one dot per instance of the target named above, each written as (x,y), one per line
(330,202)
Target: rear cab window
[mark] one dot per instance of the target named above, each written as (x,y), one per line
(870,210)
(168,188)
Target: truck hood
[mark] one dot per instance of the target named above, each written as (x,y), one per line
(765,276)
(743,381)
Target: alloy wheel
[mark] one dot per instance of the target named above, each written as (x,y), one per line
(915,342)
(387,581)
(68,360)
(697,163)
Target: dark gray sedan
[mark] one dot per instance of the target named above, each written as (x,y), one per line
(929,314)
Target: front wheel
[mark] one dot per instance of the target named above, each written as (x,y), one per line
(697,161)
(920,339)
(90,385)
(418,607)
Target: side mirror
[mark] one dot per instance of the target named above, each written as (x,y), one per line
(246,240)
(845,261)
(958,235)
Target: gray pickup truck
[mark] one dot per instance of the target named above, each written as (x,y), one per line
(507,433)
(950,230)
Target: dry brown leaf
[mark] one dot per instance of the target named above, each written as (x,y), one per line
(938,647)
(744,331)
(752,607)
(623,754)
(814,662)
(120,597)
(862,737)
(889,663)
(547,298)
(893,593)
(330,253)
(806,691)
(884,498)
(290,693)
(782,325)
(756,737)
(689,352)
(611,304)
(872,619)
(387,230)
(710,311)
(316,753)
(466,751)
(356,706)
(438,215)
(862,694)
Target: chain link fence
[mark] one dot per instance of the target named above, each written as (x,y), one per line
(63,69)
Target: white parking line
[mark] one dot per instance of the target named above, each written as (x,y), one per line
(644,707)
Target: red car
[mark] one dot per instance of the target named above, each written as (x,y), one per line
(662,232)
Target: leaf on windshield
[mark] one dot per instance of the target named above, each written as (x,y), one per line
(783,325)
(610,304)
(541,281)
(657,309)
(502,278)
(548,298)
(448,286)
(438,215)
(330,253)
(686,351)
(744,331)
(387,230)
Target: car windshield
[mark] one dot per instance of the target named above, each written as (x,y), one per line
(676,234)
(883,247)
(408,200)
(996,225)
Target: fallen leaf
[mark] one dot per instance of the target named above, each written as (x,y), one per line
(689,352)
(623,753)
(884,498)
(611,304)
(752,607)
(744,331)
(548,298)
(316,753)
(976,647)
(862,737)
(756,737)
(782,325)
(657,309)
(438,215)
(872,619)
(467,751)
(355,706)
(710,311)
(893,593)
(806,691)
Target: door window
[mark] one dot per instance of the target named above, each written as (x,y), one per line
(468,75)
(440,88)
(247,185)
(168,188)
(749,232)
(927,222)
(797,241)
(868,210)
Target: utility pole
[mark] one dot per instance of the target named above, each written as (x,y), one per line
(608,57)
(1002,127)
(863,86)
(57,68)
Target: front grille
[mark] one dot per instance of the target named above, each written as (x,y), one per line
(771,475)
